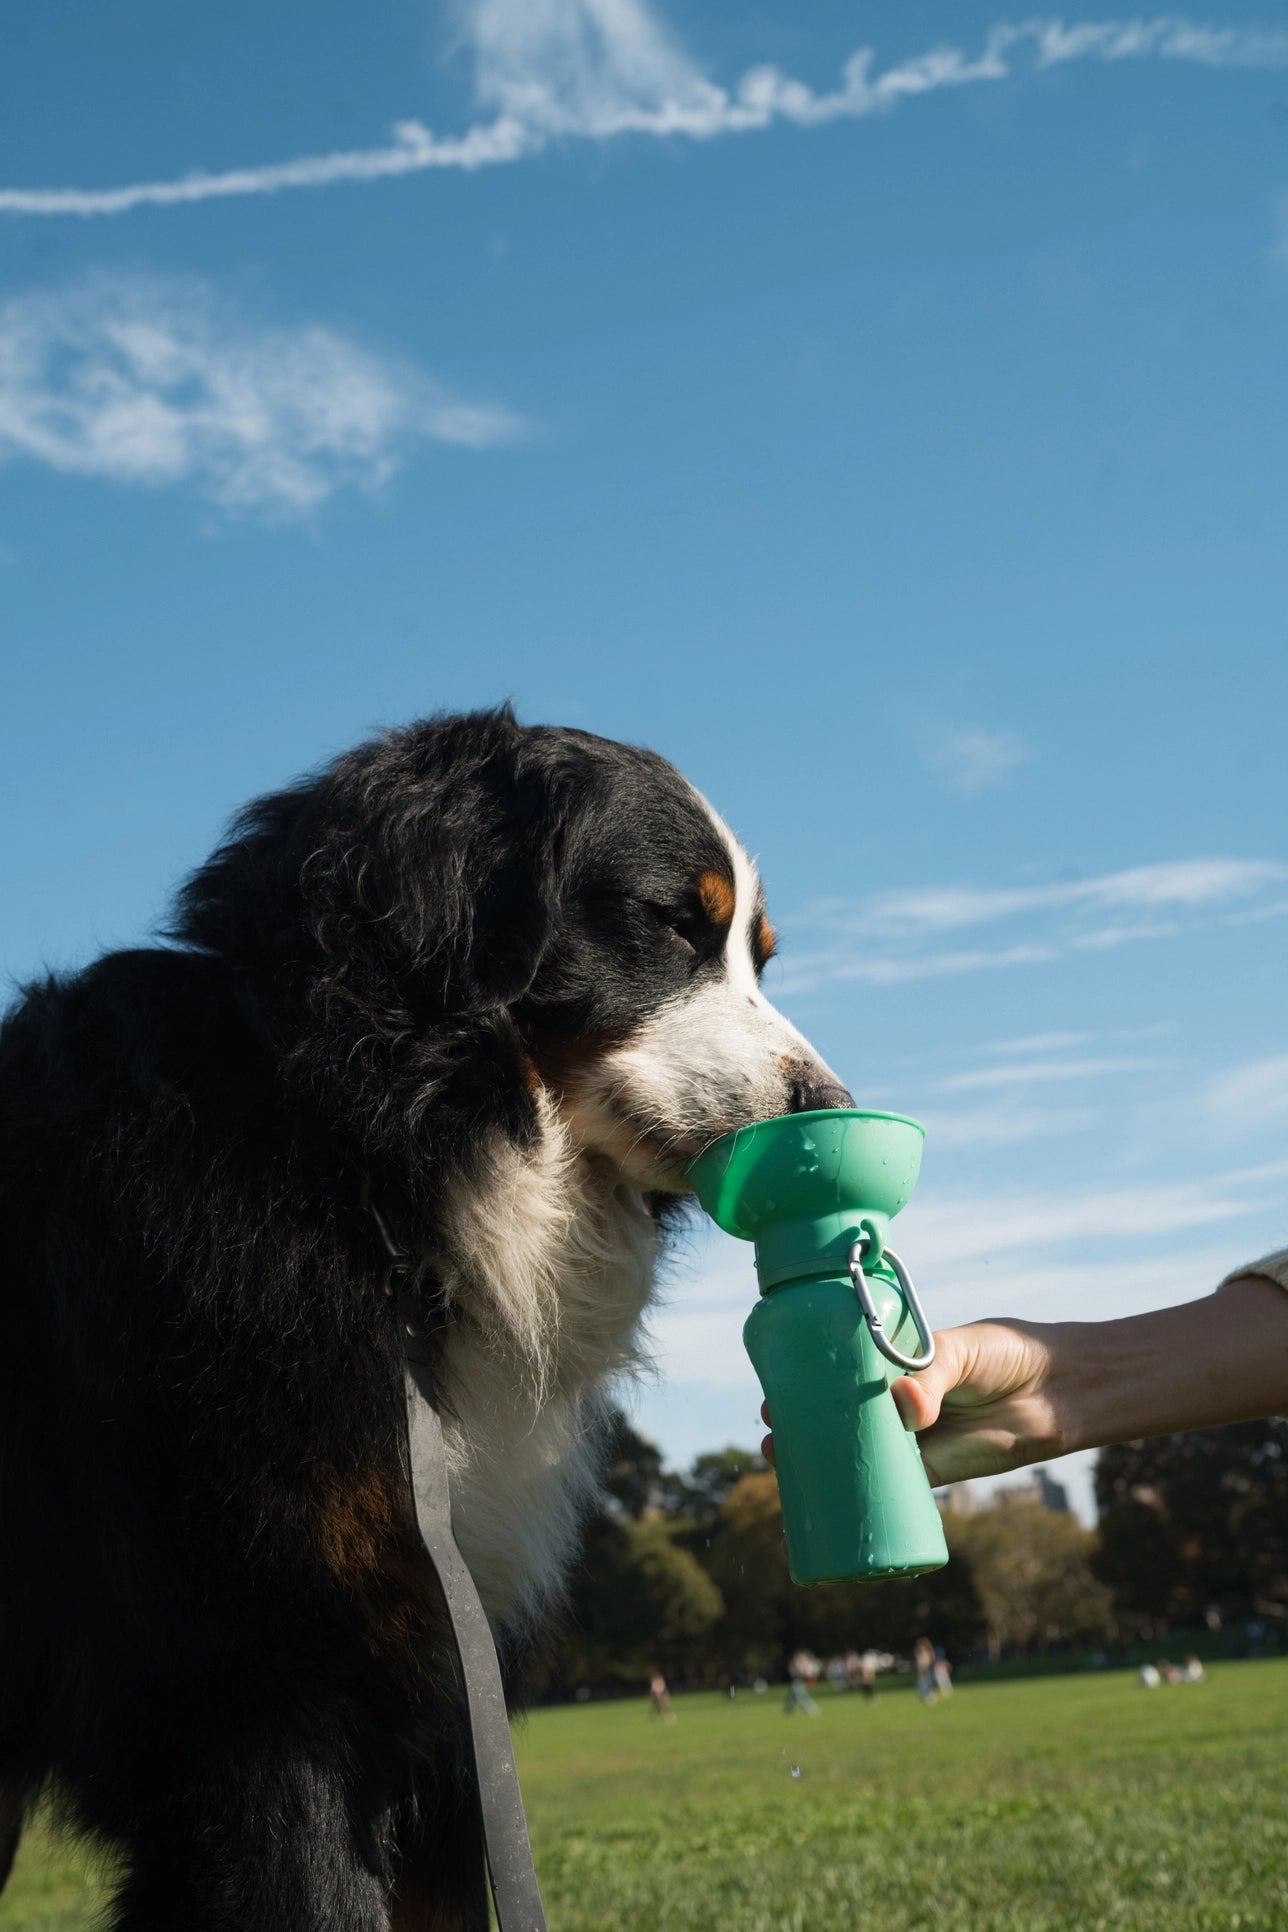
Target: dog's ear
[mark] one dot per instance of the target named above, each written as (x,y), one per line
(411,882)
(445,874)
(486,897)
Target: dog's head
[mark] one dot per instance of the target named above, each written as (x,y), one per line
(469,879)
(645,1012)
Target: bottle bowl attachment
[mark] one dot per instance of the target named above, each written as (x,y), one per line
(803,1187)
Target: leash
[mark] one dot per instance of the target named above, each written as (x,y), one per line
(511,1872)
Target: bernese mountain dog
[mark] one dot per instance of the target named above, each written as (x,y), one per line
(490,987)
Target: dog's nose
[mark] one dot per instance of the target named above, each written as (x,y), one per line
(809,1092)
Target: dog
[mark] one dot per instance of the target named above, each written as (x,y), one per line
(481,989)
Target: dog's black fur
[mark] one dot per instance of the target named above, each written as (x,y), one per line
(217,1634)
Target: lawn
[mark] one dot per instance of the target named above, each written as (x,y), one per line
(1052,1805)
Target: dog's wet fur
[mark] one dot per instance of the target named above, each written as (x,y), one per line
(497,985)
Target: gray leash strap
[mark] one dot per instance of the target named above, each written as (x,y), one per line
(515,1891)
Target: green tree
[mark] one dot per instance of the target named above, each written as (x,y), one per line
(638,1602)
(632,1480)
(747,1562)
(1196,1519)
(697,1495)
(678,1605)
(1032,1569)
(892,1612)
(767,1616)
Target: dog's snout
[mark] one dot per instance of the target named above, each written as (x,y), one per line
(809,1092)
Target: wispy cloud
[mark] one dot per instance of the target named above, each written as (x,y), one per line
(1017,1073)
(974,761)
(951,1231)
(840,964)
(974,1129)
(1041,1043)
(1279,246)
(600,69)
(1105,938)
(587,67)
(1253,1096)
(1186,883)
(1257,915)
(888,939)
(149,382)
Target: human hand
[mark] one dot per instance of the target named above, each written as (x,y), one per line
(984,1405)
(1003,1393)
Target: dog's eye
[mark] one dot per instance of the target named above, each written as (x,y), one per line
(681,926)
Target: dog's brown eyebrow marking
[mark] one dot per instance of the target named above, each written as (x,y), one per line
(764,942)
(716,897)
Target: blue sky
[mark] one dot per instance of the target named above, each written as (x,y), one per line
(894,439)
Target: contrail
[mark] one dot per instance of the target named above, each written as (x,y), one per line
(411,150)
(647,87)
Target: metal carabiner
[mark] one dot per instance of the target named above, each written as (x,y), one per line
(876,1328)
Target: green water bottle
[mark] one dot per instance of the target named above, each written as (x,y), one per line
(837,1321)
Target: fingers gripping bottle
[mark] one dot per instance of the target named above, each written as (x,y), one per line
(836,1320)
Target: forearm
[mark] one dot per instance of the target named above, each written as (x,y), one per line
(1196,1366)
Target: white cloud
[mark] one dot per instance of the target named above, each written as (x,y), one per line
(880,941)
(1028,1073)
(1105,939)
(1257,915)
(975,1128)
(1041,1043)
(596,69)
(1187,883)
(840,965)
(584,67)
(1254,1095)
(973,761)
(950,1232)
(151,382)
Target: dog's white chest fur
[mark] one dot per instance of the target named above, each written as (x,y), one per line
(549,1264)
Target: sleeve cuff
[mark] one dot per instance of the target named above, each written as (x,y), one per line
(1273,1266)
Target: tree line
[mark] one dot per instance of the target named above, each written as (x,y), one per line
(686,1572)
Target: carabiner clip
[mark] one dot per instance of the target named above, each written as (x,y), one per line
(871,1316)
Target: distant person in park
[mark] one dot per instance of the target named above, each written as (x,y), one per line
(659,1698)
(861,1673)
(802,1674)
(923,1658)
(1003,1393)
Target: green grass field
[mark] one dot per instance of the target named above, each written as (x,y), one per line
(1052,1805)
